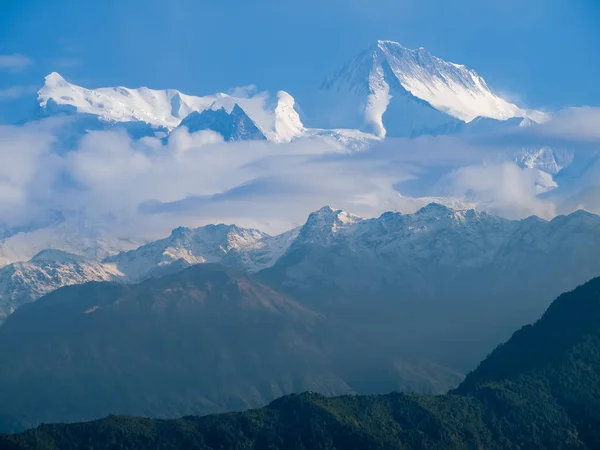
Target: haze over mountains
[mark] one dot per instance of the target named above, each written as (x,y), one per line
(400,302)
(539,390)
(434,252)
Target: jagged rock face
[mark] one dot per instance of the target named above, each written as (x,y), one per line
(233,126)
(244,249)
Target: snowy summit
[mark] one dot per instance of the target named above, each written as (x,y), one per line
(166,109)
(415,90)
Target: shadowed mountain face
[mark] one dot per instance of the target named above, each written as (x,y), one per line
(540,390)
(447,285)
(233,126)
(203,340)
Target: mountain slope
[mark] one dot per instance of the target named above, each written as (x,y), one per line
(401,92)
(537,391)
(49,270)
(419,269)
(243,249)
(233,126)
(453,283)
(203,340)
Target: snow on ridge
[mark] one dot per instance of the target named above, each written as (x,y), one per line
(23,282)
(448,87)
(433,228)
(167,108)
(387,72)
(287,120)
(221,243)
(328,218)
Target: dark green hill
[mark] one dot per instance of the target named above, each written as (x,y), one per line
(540,390)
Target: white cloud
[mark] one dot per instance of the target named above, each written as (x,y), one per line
(581,123)
(143,188)
(14,62)
(66,62)
(27,169)
(15,92)
(504,189)
(244,91)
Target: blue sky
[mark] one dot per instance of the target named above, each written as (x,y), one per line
(541,53)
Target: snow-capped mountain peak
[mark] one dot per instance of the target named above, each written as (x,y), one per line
(404,83)
(287,120)
(230,245)
(322,224)
(434,209)
(331,218)
(165,109)
(54,79)
(23,282)
(448,87)
(119,104)
(56,256)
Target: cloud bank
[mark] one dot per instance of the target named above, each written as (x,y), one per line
(126,188)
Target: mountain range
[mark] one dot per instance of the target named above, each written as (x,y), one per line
(539,390)
(431,253)
(339,305)
(163,110)
(387,90)
(49,270)
(223,318)
(147,112)
(402,301)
